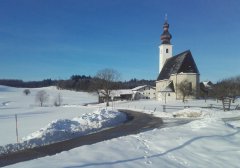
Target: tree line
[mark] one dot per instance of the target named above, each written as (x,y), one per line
(27,84)
(75,82)
(229,87)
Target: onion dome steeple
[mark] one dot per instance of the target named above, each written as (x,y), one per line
(166,36)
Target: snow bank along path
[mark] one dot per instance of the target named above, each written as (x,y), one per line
(63,129)
(136,123)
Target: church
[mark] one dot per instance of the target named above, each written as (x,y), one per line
(174,70)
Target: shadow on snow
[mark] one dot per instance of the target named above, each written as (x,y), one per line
(157,155)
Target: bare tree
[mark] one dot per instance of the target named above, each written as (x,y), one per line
(58,100)
(185,88)
(105,81)
(26,91)
(41,97)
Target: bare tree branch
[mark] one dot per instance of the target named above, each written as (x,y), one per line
(42,97)
(105,82)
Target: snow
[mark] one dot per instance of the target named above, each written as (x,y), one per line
(234,124)
(210,144)
(31,117)
(138,88)
(117,93)
(211,139)
(63,129)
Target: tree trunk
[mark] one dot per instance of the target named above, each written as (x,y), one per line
(107,100)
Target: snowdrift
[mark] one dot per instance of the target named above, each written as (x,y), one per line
(63,129)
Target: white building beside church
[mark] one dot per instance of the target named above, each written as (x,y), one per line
(140,92)
(175,69)
(144,92)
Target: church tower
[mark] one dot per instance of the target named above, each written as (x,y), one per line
(165,49)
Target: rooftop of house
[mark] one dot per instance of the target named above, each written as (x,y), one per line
(141,87)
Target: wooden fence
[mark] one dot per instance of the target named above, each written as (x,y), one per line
(226,107)
(167,108)
(226,101)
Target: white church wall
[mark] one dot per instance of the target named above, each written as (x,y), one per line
(191,77)
(169,96)
(160,85)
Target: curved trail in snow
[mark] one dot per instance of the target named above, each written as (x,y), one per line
(137,122)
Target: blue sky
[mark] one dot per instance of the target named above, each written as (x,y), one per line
(55,39)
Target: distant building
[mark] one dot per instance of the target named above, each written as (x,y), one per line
(175,69)
(206,87)
(140,92)
(122,94)
(144,92)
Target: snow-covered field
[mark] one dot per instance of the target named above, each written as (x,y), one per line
(208,141)
(31,117)
(64,129)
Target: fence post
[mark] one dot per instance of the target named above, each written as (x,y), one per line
(164,108)
(16,127)
(211,106)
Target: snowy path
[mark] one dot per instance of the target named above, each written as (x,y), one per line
(137,123)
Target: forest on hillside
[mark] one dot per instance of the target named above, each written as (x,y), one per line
(75,82)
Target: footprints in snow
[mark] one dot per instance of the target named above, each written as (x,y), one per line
(143,145)
(180,161)
(5,103)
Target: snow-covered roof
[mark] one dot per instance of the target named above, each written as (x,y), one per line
(121,92)
(206,85)
(140,87)
(117,93)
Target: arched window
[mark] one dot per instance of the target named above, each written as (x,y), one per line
(167,50)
